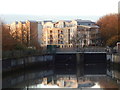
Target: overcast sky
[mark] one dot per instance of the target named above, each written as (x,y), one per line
(22,10)
(59,7)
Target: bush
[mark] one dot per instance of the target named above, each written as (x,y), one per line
(20,47)
(112,41)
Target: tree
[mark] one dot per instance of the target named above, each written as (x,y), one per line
(77,39)
(109,28)
(112,41)
(8,42)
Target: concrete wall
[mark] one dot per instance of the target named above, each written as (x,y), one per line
(116,58)
(109,57)
(12,64)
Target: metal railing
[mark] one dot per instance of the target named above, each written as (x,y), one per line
(86,49)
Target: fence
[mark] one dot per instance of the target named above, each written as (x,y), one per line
(86,49)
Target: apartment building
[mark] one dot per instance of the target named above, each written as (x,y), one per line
(63,33)
(40,30)
(27,33)
(88,35)
(56,33)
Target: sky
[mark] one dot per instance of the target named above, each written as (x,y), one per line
(58,7)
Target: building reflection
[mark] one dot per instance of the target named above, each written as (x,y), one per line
(114,73)
(68,77)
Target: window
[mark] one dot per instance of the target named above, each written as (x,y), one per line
(89,24)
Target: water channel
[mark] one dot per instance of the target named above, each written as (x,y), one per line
(67,76)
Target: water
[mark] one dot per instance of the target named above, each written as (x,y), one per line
(67,76)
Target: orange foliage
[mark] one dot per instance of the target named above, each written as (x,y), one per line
(8,42)
(108,26)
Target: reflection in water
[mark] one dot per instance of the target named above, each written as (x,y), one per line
(81,76)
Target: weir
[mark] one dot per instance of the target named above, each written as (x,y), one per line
(93,62)
(79,58)
(59,59)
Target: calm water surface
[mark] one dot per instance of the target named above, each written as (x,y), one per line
(67,76)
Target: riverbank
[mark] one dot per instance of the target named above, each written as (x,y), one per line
(12,64)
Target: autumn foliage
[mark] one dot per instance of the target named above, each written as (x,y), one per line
(17,39)
(8,43)
(109,29)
